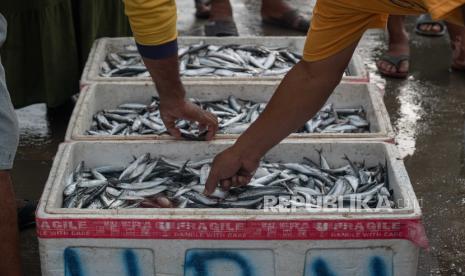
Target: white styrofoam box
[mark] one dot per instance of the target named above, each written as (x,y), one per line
(97,97)
(234,241)
(356,71)
(169,257)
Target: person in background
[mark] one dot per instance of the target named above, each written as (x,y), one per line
(395,62)
(49,42)
(9,237)
(275,12)
(337,26)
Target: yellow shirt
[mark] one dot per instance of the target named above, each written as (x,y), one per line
(153,22)
(336,24)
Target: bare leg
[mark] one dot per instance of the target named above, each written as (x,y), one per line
(202,9)
(221,21)
(279,12)
(9,237)
(221,10)
(274,8)
(457,43)
(398,45)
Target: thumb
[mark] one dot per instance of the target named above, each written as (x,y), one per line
(212,181)
(171,126)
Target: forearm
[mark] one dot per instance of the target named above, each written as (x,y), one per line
(165,75)
(298,98)
(153,23)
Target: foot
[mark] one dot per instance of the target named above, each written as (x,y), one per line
(398,47)
(284,15)
(221,21)
(427,26)
(430,27)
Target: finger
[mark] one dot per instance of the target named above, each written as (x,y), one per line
(243,180)
(202,127)
(208,122)
(212,181)
(171,127)
(212,129)
(211,133)
(212,117)
(149,204)
(174,132)
(246,173)
(163,202)
(234,181)
(194,114)
(203,117)
(225,184)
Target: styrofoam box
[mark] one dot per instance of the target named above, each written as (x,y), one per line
(97,97)
(227,241)
(355,72)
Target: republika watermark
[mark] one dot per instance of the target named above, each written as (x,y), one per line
(341,203)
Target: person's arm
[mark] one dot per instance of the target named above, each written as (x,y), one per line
(153,23)
(301,94)
(173,105)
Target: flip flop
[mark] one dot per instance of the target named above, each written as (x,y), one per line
(199,13)
(426,19)
(288,20)
(395,61)
(221,28)
(26,215)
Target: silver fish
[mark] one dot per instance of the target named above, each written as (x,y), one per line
(206,59)
(234,115)
(146,180)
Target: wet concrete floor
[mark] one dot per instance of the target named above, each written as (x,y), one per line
(427,112)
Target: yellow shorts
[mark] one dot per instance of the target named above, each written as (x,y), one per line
(336,24)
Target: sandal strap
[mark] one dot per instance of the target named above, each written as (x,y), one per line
(221,28)
(395,60)
(426,19)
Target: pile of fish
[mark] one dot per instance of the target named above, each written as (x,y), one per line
(234,116)
(208,60)
(160,182)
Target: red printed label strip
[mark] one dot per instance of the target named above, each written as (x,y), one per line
(233,229)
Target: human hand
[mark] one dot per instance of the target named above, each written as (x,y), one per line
(230,168)
(173,110)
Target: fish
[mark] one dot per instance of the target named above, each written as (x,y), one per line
(147,180)
(234,115)
(203,59)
